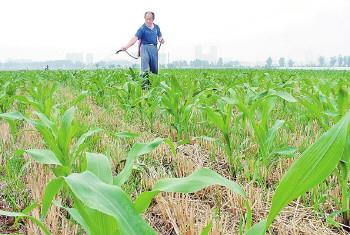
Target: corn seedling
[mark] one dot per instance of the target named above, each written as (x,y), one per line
(100,204)
(310,169)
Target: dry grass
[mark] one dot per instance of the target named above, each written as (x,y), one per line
(173,213)
(5,134)
(36,179)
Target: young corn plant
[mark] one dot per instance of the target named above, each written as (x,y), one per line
(101,206)
(97,86)
(265,134)
(7,93)
(222,119)
(342,105)
(320,99)
(62,137)
(256,109)
(333,103)
(316,163)
(179,102)
(40,97)
(150,103)
(314,108)
(129,97)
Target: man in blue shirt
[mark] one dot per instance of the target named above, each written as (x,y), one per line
(148,34)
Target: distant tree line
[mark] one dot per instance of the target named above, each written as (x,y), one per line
(339,61)
(203,64)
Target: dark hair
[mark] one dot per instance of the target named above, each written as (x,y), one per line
(149,12)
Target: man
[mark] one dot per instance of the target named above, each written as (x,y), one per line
(148,35)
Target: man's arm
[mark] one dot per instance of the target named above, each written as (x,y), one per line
(132,41)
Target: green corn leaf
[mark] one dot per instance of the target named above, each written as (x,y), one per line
(65,129)
(78,146)
(248,216)
(284,95)
(273,131)
(343,101)
(257,229)
(44,120)
(29,208)
(312,167)
(127,135)
(171,145)
(80,97)
(230,100)
(198,180)
(100,166)
(32,218)
(96,222)
(216,119)
(206,230)
(13,116)
(287,151)
(51,190)
(137,150)
(346,155)
(108,199)
(44,156)
(75,215)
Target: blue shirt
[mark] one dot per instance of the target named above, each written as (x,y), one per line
(147,35)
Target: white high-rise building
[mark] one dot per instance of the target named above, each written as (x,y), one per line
(211,56)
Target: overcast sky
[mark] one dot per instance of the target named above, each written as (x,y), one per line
(249,30)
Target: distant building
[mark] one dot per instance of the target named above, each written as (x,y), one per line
(75,57)
(211,56)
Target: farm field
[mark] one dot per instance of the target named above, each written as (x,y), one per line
(189,152)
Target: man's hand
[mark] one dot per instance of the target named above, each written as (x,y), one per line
(130,43)
(161,40)
(124,48)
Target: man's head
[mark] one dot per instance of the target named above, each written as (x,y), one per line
(149,18)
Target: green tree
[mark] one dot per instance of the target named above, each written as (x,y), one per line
(290,63)
(220,62)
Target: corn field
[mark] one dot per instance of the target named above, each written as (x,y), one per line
(189,152)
